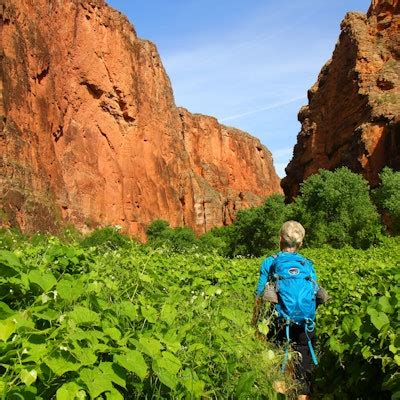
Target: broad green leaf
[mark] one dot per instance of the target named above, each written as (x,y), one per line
(234,315)
(145,278)
(70,289)
(167,378)
(5,310)
(70,391)
(336,346)
(150,313)
(36,352)
(28,377)
(263,327)
(23,393)
(168,313)
(114,333)
(114,395)
(393,349)
(170,339)
(96,381)
(385,305)
(196,347)
(132,361)
(45,280)
(245,383)
(23,320)
(150,346)
(61,362)
(48,314)
(378,318)
(9,264)
(191,382)
(88,336)
(347,324)
(82,316)
(114,373)
(351,323)
(9,258)
(128,309)
(85,355)
(366,352)
(169,362)
(395,395)
(7,328)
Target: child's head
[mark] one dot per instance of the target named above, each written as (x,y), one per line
(292,235)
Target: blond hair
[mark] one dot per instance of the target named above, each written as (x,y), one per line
(292,234)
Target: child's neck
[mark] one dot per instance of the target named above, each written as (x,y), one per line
(289,249)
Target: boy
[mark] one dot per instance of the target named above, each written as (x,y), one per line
(291,238)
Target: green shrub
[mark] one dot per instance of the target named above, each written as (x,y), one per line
(387,198)
(335,208)
(11,238)
(216,240)
(108,238)
(180,239)
(158,229)
(256,229)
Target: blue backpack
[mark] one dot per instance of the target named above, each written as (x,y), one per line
(297,291)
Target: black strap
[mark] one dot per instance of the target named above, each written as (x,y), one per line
(271,272)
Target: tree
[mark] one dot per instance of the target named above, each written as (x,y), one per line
(387,198)
(158,229)
(335,208)
(180,239)
(256,229)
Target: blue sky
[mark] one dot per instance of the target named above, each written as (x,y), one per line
(248,63)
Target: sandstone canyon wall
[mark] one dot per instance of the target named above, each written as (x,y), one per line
(90,133)
(353,115)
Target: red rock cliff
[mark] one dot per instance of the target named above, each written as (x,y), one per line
(353,115)
(90,133)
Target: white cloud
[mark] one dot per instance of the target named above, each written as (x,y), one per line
(265,108)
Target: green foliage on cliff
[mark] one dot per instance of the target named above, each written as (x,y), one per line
(256,230)
(180,239)
(387,198)
(335,208)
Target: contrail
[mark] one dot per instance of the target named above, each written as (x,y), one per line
(270,107)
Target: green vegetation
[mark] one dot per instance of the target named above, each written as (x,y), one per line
(336,208)
(78,322)
(180,239)
(108,238)
(134,323)
(256,230)
(359,328)
(387,197)
(106,317)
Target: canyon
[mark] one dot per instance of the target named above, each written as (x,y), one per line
(353,114)
(90,134)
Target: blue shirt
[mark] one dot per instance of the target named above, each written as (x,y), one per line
(266,266)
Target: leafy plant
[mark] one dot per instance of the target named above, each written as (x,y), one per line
(108,238)
(256,230)
(335,208)
(387,198)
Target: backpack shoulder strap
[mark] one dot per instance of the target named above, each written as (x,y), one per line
(272,268)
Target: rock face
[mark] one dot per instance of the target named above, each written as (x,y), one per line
(353,115)
(90,133)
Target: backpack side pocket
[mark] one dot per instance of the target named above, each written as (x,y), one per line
(270,293)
